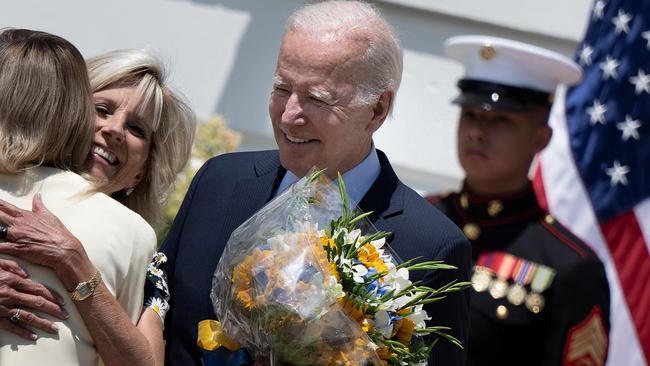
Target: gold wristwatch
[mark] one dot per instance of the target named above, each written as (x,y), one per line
(85,289)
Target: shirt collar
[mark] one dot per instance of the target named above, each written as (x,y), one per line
(358,180)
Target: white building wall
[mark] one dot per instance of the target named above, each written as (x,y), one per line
(221,54)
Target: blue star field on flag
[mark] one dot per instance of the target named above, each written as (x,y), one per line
(608,114)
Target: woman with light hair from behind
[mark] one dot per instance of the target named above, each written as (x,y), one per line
(142,140)
(46,126)
(42,135)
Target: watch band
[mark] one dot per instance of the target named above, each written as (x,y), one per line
(86,288)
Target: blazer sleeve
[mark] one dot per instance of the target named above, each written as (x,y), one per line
(130,294)
(453,310)
(171,243)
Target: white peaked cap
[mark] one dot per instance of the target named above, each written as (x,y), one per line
(512,63)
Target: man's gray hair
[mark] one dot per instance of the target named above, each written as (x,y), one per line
(383,56)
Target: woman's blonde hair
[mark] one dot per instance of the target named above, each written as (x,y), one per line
(173,125)
(46,111)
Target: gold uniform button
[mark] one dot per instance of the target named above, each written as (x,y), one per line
(494,208)
(471,231)
(549,219)
(464,201)
(502,312)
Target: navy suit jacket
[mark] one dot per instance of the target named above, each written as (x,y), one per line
(230,188)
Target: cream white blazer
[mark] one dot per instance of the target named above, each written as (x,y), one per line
(118,241)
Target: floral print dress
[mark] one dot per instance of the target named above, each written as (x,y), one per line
(156,292)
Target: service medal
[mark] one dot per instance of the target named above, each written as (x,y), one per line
(535,302)
(516,294)
(481,279)
(498,288)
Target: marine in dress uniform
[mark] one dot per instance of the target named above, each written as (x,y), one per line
(540,295)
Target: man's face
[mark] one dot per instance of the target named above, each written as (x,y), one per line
(496,148)
(316,116)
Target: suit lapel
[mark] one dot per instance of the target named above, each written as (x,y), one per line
(386,200)
(387,185)
(249,195)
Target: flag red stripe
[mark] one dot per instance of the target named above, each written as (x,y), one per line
(632,260)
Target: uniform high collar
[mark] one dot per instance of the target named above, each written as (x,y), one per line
(498,209)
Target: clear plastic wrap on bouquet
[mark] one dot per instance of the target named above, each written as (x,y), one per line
(309,281)
(274,291)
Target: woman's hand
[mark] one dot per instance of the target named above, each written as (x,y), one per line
(39,237)
(18,292)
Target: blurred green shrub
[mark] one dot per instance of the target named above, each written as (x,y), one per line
(212,138)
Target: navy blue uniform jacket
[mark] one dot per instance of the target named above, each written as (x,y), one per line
(230,188)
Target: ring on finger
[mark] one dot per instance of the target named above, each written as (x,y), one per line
(4,230)
(16,317)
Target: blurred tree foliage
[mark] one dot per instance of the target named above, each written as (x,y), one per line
(212,138)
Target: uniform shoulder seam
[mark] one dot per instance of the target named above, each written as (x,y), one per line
(554,228)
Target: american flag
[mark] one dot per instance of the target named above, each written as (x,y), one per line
(594,176)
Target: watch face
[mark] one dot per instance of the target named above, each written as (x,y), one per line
(84,291)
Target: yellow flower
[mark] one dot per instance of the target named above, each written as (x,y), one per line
(354,354)
(241,274)
(334,271)
(352,310)
(366,324)
(383,353)
(369,256)
(244,297)
(327,242)
(341,359)
(404,333)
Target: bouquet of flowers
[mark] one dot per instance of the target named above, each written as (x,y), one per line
(307,281)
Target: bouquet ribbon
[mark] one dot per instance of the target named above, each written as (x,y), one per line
(212,336)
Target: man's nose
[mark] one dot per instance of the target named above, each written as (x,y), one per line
(293,111)
(475,130)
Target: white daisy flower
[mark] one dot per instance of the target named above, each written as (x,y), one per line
(158,305)
(159,258)
(154,270)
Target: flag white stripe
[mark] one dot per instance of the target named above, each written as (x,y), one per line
(569,203)
(642,212)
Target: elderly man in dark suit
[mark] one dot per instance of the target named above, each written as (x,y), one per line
(337,73)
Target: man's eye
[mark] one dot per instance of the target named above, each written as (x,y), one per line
(501,120)
(281,90)
(319,101)
(468,115)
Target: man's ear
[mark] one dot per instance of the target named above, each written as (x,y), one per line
(380,109)
(542,137)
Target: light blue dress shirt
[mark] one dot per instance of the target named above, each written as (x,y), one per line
(358,180)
